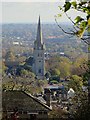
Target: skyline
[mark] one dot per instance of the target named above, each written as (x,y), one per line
(28,12)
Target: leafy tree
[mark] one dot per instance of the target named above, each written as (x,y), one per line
(58,113)
(55,72)
(4,68)
(81,25)
(8,86)
(65,69)
(59,66)
(81,107)
(24,72)
(79,66)
(10,56)
(76,83)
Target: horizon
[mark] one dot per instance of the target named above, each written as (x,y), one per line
(66,23)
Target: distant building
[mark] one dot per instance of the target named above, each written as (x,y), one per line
(16,43)
(23,106)
(57,92)
(71,93)
(38,54)
(62,54)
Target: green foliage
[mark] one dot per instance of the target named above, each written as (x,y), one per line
(58,113)
(56,78)
(83,113)
(80,102)
(67,6)
(24,72)
(55,72)
(8,85)
(10,56)
(81,24)
(4,68)
(54,82)
(59,66)
(86,75)
(65,69)
(74,4)
(76,83)
(78,19)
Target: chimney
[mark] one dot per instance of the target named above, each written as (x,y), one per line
(48,92)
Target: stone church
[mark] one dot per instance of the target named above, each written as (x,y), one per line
(38,54)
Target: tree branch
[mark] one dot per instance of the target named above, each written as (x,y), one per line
(63,29)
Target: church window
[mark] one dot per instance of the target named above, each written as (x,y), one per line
(38,55)
(39,60)
(39,71)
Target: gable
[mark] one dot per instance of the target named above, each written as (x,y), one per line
(21,100)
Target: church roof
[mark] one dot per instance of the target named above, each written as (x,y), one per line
(23,101)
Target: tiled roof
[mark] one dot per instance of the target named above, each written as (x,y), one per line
(23,101)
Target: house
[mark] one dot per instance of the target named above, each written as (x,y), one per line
(23,105)
(58,93)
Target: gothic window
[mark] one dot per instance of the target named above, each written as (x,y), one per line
(38,55)
(39,71)
(39,60)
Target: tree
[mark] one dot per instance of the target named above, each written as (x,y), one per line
(76,83)
(4,68)
(59,66)
(58,113)
(55,72)
(24,72)
(10,56)
(65,69)
(79,66)
(81,25)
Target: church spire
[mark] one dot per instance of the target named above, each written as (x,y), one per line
(39,33)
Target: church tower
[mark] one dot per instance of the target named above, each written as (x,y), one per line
(38,54)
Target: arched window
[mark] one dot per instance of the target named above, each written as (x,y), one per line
(39,71)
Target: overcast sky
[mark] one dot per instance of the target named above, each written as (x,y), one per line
(26,11)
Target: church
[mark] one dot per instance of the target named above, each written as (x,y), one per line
(38,66)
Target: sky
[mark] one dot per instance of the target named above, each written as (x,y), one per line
(27,11)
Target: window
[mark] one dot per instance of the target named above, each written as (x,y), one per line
(39,71)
